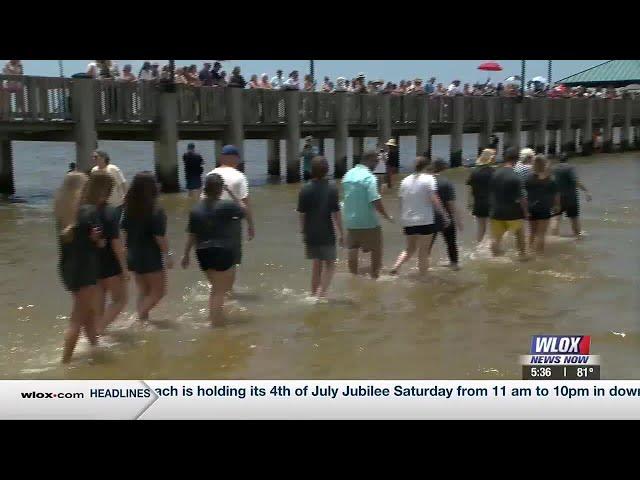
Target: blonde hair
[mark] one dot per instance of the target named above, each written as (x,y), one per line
(98,187)
(66,203)
(487,157)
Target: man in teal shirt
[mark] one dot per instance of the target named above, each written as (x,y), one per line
(361,200)
(308,152)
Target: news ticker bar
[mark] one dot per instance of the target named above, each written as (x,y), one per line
(300,399)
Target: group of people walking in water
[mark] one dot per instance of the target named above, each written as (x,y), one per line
(107,231)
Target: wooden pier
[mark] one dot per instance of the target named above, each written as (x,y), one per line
(85,110)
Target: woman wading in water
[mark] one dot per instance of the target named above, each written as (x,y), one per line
(212,228)
(80,239)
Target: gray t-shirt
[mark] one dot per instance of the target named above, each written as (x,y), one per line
(317,200)
(216,224)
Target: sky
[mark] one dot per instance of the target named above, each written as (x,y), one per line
(389,70)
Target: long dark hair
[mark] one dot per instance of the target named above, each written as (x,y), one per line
(140,200)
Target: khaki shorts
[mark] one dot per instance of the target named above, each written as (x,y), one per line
(500,227)
(367,239)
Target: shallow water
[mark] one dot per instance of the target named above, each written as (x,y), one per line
(470,324)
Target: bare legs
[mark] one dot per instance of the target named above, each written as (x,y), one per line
(419,243)
(376,261)
(83,315)
(221,284)
(116,287)
(481,222)
(538,233)
(152,287)
(321,275)
(575,226)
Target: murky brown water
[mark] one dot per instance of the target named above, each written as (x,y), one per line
(469,324)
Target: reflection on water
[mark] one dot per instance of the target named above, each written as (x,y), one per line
(469,324)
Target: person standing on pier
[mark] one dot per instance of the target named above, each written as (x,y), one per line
(478,183)
(508,205)
(568,184)
(319,212)
(277,82)
(418,200)
(103,164)
(361,201)
(144,223)
(193,168)
(212,232)
(447,194)
(308,153)
(393,160)
(236,182)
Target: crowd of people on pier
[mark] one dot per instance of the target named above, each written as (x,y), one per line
(212,75)
(109,231)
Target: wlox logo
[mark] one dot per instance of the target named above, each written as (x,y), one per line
(52,395)
(560,345)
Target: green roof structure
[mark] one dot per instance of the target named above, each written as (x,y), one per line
(615,73)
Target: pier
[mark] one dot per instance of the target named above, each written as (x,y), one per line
(85,110)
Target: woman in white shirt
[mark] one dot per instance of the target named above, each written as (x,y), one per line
(418,198)
(116,199)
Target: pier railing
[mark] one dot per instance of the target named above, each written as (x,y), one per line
(26,98)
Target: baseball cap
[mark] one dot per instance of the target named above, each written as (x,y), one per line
(230,150)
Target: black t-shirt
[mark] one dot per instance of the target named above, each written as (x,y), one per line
(446,191)
(80,255)
(110,221)
(317,200)
(192,164)
(237,81)
(566,180)
(141,233)
(540,193)
(393,158)
(506,191)
(205,77)
(215,224)
(479,181)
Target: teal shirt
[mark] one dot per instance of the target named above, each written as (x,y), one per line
(307,156)
(360,189)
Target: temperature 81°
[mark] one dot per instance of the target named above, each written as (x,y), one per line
(585,372)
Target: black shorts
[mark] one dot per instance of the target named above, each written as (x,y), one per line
(569,206)
(194,182)
(306,175)
(539,213)
(74,277)
(219,259)
(109,268)
(421,230)
(480,210)
(144,261)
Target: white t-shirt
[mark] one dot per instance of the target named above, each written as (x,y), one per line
(415,192)
(235,180)
(117,194)
(453,90)
(381,167)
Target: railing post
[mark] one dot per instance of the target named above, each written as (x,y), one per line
(358,149)
(7,185)
(457,129)
(607,134)
(565,129)
(516,125)
(422,125)
(292,109)
(625,135)
(587,128)
(384,118)
(486,130)
(541,125)
(273,156)
(234,129)
(83,112)
(166,142)
(341,133)
(321,146)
